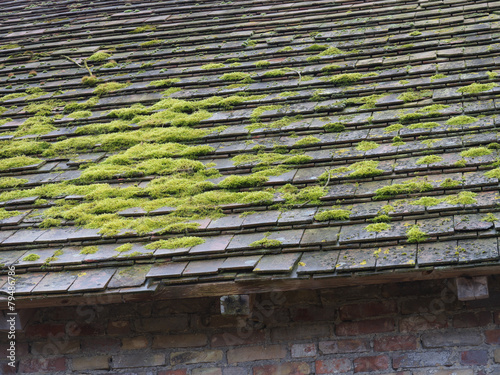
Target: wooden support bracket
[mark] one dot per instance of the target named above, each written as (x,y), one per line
(472,288)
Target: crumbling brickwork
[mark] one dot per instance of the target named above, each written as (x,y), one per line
(412,328)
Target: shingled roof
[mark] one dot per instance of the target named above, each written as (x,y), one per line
(183,148)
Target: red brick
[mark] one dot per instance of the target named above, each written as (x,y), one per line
(474,357)
(328,366)
(171,323)
(301,332)
(242,337)
(312,314)
(134,343)
(497,317)
(207,371)
(392,343)
(22,348)
(83,329)
(367,310)
(492,336)
(255,353)
(5,369)
(179,341)
(118,327)
(301,298)
(344,346)
(365,327)
(372,363)
(42,365)
(91,363)
(101,344)
(433,305)
(303,350)
(424,322)
(55,347)
(291,368)
(173,372)
(470,320)
(204,356)
(37,331)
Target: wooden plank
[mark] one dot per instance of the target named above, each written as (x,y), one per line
(218,289)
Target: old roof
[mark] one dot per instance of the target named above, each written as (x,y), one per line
(168,147)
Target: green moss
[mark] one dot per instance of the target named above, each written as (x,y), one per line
(295,196)
(17,162)
(366,145)
(414,234)
(31,258)
(286,49)
(331,52)
(164,82)
(259,111)
(21,147)
(492,75)
(317,47)
(409,117)
(175,243)
(429,159)
(411,96)
(461,120)
(381,218)
(262,64)
(266,243)
(424,125)
(237,182)
(143,29)
(274,73)
(494,173)
(237,76)
(334,127)
(99,56)
(74,106)
(366,168)
(10,46)
(287,94)
(397,141)
(124,248)
(490,217)
(367,101)
(427,201)
(308,140)
(377,227)
(111,64)
(393,128)
(105,88)
(12,96)
(406,187)
(475,152)
(464,197)
(330,68)
(437,76)
(89,250)
(80,114)
(4,214)
(337,214)
(345,79)
(102,128)
(50,222)
(10,182)
(90,81)
(213,66)
(449,183)
(415,33)
(476,88)
(151,43)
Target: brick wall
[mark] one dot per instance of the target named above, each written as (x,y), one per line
(412,328)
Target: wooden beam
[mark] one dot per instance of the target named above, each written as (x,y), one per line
(218,289)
